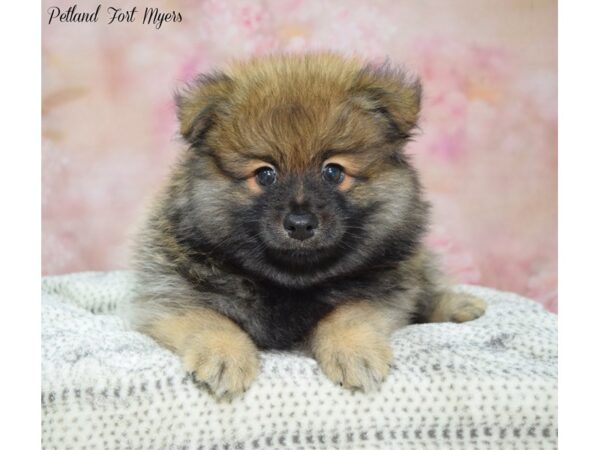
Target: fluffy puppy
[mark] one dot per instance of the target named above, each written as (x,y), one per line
(292,220)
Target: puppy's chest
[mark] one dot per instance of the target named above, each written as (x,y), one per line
(279,318)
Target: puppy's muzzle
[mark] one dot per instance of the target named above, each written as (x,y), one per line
(300,225)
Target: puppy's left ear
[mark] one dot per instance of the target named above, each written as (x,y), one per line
(200,103)
(392,96)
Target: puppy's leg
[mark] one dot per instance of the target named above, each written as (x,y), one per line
(456,307)
(212,347)
(351,345)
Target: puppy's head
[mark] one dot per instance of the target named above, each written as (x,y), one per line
(295,171)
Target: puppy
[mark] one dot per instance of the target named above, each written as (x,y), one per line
(292,220)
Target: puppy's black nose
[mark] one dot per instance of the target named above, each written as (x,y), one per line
(300,226)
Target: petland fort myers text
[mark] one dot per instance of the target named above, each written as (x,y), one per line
(112,15)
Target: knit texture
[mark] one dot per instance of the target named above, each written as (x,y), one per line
(489,384)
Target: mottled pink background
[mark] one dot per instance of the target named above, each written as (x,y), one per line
(487,151)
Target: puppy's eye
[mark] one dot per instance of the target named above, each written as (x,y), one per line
(266,176)
(333,173)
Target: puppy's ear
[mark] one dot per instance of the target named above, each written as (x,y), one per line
(199,103)
(391,96)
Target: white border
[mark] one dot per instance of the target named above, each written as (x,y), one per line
(20,242)
(579,224)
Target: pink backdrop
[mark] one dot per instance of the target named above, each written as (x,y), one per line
(487,152)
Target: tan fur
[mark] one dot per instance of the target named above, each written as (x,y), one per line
(253,186)
(351,345)
(289,118)
(457,307)
(346,183)
(212,347)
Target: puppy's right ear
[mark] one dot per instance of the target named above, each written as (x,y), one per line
(199,103)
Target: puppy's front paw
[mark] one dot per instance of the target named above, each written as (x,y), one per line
(356,358)
(227,362)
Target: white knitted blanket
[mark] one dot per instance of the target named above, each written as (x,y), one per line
(490,384)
